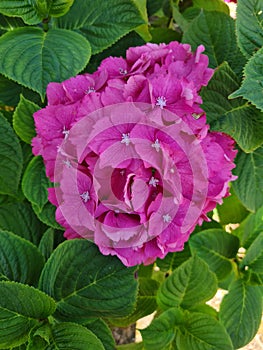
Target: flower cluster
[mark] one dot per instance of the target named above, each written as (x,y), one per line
(134,162)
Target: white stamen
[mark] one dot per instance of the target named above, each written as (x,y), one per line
(156,145)
(126,139)
(65,132)
(188,94)
(67,163)
(123,71)
(90,89)
(197,115)
(161,102)
(85,196)
(172,171)
(122,172)
(167,218)
(154,182)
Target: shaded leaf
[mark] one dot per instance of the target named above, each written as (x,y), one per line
(87,284)
(20,219)
(191,283)
(249,184)
(35,183)
(162,331)
(102,22)
(34,58)
(216,247)
(240,312)
(103,332)
(20,260)
(23,121)
(9,92)
(252,86)
(204,332)
(21,308)
(231,211)
(249,26)
(234,117)
(146,303)
(47,215)
(11,159)
(250,228)
(46,243)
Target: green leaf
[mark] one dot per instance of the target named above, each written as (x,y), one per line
(60,7)
(11,159)
(191,283)
(21,8)
(9,23)
(254,256)
(231,211)
(212,5)
(35,183)
(20,260)
(216,247)
(20,219)
(130,346)
(34,58)
(102,22)
(204,332)
(32,12)
(173,260)
(153,6)
(68,336)
(103,332)
(216,31)
(143,29)
(9,92)
(250,228)
(162,330)
(252,88)
(234,117)
(21,308)
(47,243)
(249,184)
(179,18)
(87,284)
(164,35)
(240,312)
(249,26)
(146,303)
(23,121)
(47,215)
(39,337)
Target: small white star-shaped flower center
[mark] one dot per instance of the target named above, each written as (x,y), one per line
(161,102)
(85,196)
(156,145)
(90,90)
(153,182)
(167,218)
(65,132)
(123,71)
(126,139)
(67,163)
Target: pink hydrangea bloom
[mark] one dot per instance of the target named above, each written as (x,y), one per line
(128,146)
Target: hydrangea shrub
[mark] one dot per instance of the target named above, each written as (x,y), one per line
(131,173)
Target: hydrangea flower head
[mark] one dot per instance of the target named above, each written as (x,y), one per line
(135,165)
